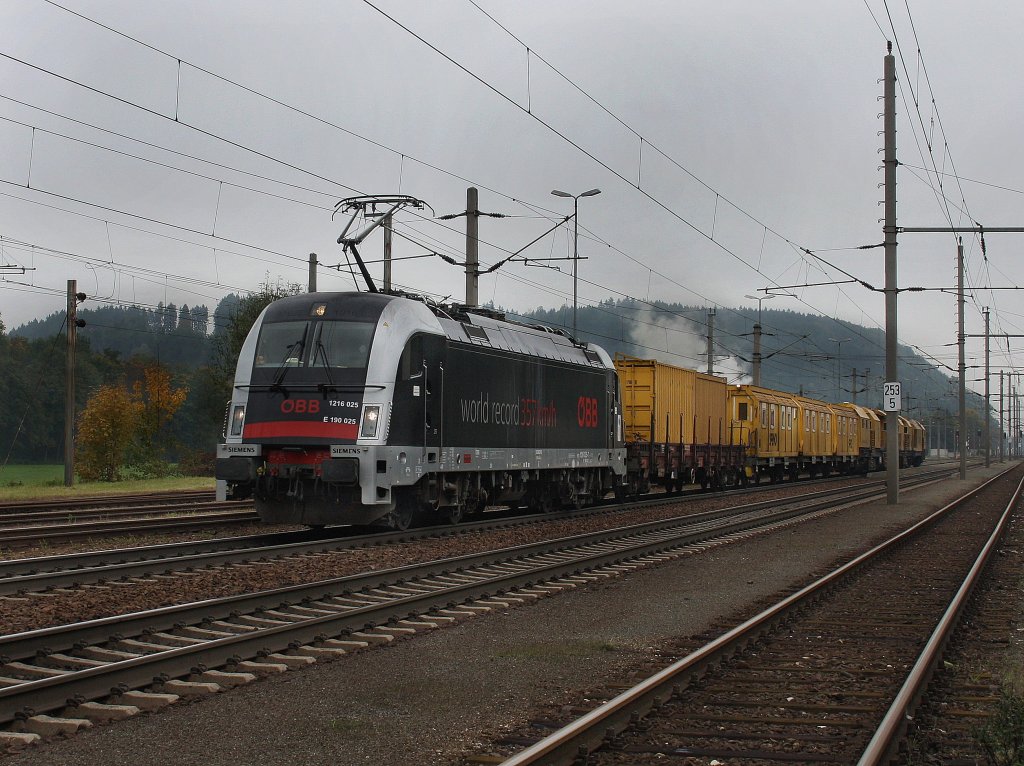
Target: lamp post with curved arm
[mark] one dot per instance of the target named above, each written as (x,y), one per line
(575,242)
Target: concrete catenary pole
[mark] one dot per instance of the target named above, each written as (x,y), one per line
(1002,428)
(387,253)
(711,341)
(960,341)
(892,460)
(988,402)
(69,385)
(312,272)
(472,247)
(757,354)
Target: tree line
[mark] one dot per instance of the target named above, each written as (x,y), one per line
(152,384)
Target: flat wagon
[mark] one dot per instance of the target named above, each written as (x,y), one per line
(676,426)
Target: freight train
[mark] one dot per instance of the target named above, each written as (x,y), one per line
(373,408)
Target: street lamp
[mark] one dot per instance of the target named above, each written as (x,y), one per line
(757,336)
(575,242)
(839,362)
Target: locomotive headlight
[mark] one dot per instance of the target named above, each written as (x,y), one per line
(371,417)
(237,419)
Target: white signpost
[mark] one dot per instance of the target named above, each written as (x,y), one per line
(892,397)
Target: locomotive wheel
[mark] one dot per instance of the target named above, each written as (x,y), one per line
(405,509)
(569,495)
(452,514)
(400,519)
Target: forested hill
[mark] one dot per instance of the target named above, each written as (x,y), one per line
(819,356)
(118,346)
(170,334)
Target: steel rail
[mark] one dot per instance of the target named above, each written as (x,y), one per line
(64,532)
(97,501)
(121,512)
(24,575)
(574,740)
(464,578)
(14,567)
(887,736)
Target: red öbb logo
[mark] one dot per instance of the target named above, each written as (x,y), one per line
(586,412)
(300,406)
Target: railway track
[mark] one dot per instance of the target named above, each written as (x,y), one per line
(967,714)
(40,518)
(43,573)
(830,674)
(65,504)
(258,632)
(193,517)
(31,523)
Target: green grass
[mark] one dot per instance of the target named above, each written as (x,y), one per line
(346,726)
(1002,736)
(19,475)
(26,482)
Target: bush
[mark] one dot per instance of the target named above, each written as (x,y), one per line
(197,463)
(1002,738)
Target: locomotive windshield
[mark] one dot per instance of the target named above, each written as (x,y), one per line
(280,344)
(333,344)
(342,344)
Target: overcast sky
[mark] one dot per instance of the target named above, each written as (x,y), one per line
(725,137)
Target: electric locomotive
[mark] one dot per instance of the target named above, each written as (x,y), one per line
(373,408)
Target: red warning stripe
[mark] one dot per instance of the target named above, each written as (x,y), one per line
(300,429)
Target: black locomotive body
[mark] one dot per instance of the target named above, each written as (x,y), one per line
(369,408)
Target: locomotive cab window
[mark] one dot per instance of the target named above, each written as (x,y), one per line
(316,344)
(281,344)
(342,344)
(411,363)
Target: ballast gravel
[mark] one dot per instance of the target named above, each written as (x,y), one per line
(436,697)
(34,611)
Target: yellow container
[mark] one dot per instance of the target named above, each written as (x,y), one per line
(668,405)
(846,430)
(765,421)
(815,428)
(870,440)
